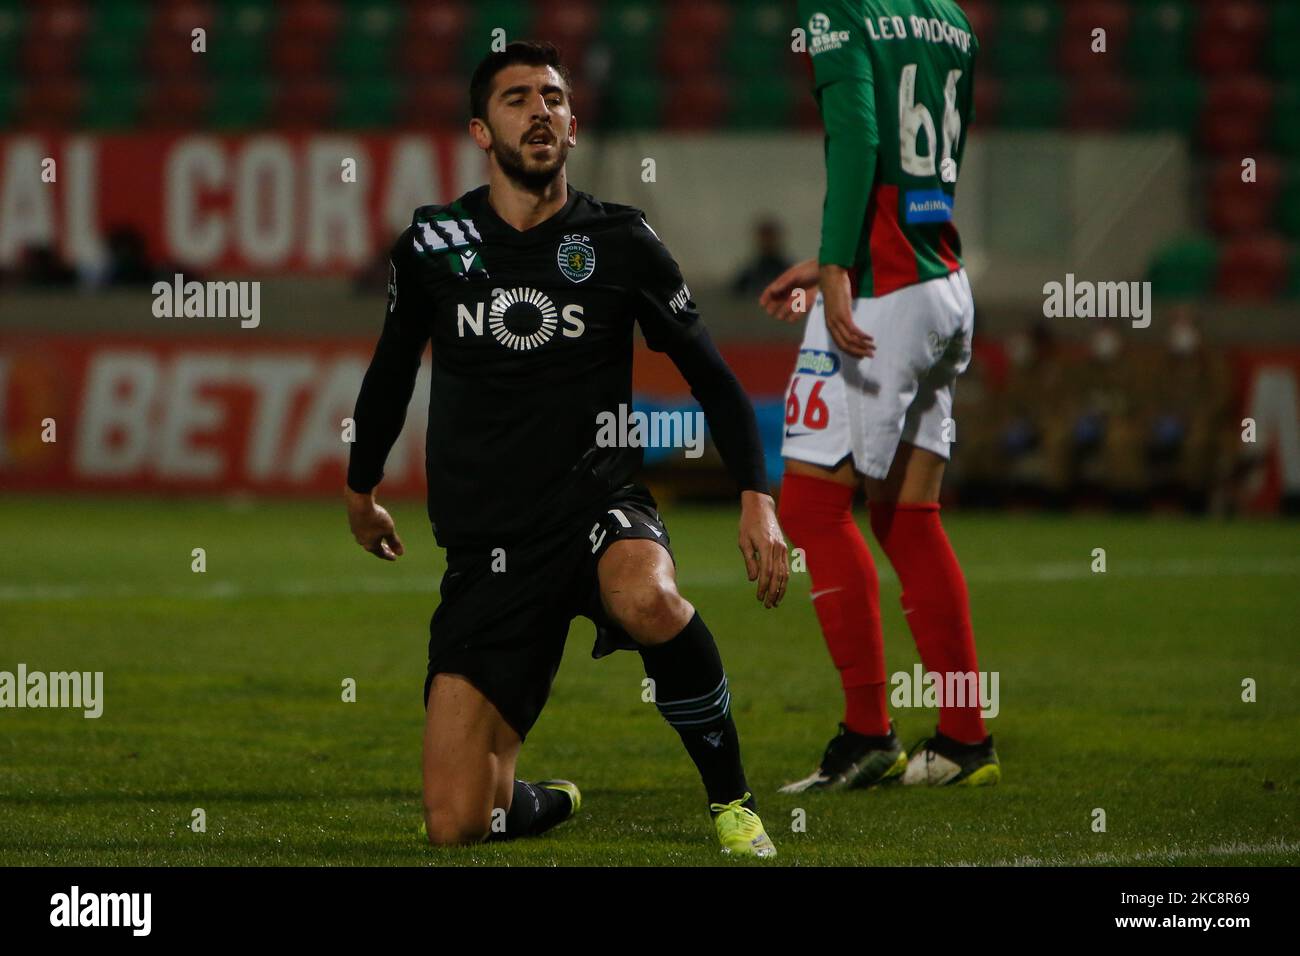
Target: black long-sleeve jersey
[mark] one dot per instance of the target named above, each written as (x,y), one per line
(532,341)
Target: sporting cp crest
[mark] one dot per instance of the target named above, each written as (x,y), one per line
(577,259)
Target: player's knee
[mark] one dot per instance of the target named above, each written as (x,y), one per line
(450,825)
(652,612)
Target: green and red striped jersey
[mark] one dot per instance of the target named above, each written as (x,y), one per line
(893,80)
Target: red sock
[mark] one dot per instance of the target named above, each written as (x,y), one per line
(818,516)
(935,602)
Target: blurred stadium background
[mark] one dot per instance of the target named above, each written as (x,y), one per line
(225,164)
(1124,690)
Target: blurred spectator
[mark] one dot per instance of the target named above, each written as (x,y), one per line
(128,260)
(1187,415)
(769,260)
(41,267)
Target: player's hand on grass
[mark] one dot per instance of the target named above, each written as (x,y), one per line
(763,545)
(837,298)
(779,299)
(373,526)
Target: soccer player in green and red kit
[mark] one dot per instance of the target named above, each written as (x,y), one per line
(870,399)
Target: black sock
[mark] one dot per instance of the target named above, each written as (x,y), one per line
(691,693)
(533,811)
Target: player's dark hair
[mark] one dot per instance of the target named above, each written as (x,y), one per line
(527,52)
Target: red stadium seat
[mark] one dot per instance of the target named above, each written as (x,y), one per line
(303,40)
(1081,19)
(688,56)
(439,103)
(697,104)
(431,44)
(1100,102)
(305,103)
(1254,268)
(1237,115)
(983,18)
(1238,208)
(697,20)
(1230,35)
(182,16)
(988,94)
(569,24)
(55,104)
(178,104)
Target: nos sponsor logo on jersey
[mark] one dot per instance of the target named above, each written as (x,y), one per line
(927,205)
(817,362)
(576,258)
(521,319)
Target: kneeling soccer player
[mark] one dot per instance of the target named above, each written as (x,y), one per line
(870,400)
(529,291)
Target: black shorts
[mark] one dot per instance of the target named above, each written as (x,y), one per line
(505,612)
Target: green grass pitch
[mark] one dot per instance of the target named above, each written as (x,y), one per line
(1120,691)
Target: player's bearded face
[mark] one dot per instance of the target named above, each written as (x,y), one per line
(530,131)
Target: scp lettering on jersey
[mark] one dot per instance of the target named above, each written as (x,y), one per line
(927,205)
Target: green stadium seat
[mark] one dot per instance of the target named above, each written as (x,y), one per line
(1286,119)
(12,21)
(241,102)
(762,102)
(1282,40)
(1169,102)
(1293,277)
(631,30)
(1161,39)
(10,92)
(369,103)
(759,41)
(112,106)
(1036,102)
(109,58)
(635,103)
(1185,269)
(1288,214)
(241,36)
(122,17)
(1028,38)
(368,39)
(487,15)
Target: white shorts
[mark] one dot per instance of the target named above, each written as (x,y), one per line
(837,405)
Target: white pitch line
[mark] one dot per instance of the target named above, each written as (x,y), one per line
(1179,853)
(976,574)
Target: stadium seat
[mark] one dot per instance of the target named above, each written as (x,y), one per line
(988,100)
(1254,268)
(53,41)
(169,50)
(240,38)
(368,37)
(435,103)
(113,106)
(368,102)
(570,25)
(54,104)
(430,44)
(697,104)
(1172,102)
(762,102)
(1081,19)
(759,42)
(684,57)
(1229,37)
(1237,116)
(630,30)
(178,104)
(983,18)
(1293,279)
(240,102)
(707,20)
(1283,39)
(1028,35)
(1161,37)
(1238,208)
(485,16)
(1286,119)
(1100,103)
(1031,102)
(635,102)
(304,103)
(1288,215)
(10,92)
(13,23)
(1185,269)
